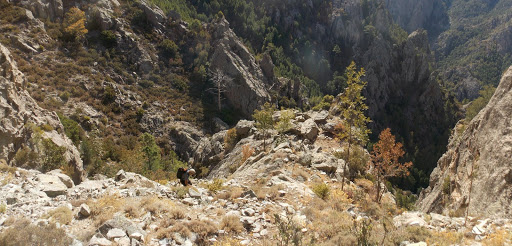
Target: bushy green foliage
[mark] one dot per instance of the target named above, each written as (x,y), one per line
(151,152)
(325,104)
(169,48)
(53,156)
(264,120)
(284,124)
(72,129)
(405,199)
(322,190)
(74,25)
(108,38)
(446,188)
(479,103)
(215,186)
(231,139)
(11,14)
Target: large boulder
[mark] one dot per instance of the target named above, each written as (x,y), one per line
(18,109)
(247,86)
(51,185)
(475,172)
(309,129)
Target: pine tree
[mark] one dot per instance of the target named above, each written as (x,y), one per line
(352,107)
(264,121)
(151,152)
(384,157)
(74,25)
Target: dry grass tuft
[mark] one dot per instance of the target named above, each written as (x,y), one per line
(339,200)
(5,168)
(104,208)
(156,205)
(62,215)
(247,152)
(132,209)
(230,194)
(231,224)
(22,232)
(177,213)
(227,241)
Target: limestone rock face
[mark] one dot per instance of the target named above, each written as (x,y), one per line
(18,108)
(430,15)
(483,149)
(44,9)
(248,87)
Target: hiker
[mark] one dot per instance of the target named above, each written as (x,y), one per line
(184,174)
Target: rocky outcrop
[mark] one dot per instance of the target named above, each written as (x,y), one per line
(430,15)
(248,87)
(18,109)
(44,9)
(475,173)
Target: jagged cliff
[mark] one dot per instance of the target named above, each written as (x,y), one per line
(475,172)
(18,109)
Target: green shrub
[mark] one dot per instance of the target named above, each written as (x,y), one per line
(3,208)
(72,129)
(231,139)
(322,190)
(53,156)
(26,157)
(108,38)
(64,96)
(405,199)
(169,48)
(325,104)
(446,185)
(215,186)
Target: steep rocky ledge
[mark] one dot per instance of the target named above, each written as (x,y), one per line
(18,108)
(247,88)
(476,171)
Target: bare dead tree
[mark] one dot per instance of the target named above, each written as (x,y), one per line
(220,80)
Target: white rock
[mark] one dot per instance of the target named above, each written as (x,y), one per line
(99,241)
(116,233)
(249,212)
(136,235)
(85,210)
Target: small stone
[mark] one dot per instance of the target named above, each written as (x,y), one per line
(264,232)
(245,242)
(85,210)
(248,193)
(164,242)
(249,212)
(17,174)
(11,200)
(136,235)
(124,241)
(153,227)
(194,193)
(116,233)
(99,241)
(478,230)
(120,175)
(189,201)
(281,193)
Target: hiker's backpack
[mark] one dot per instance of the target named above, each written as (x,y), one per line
(180,172)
